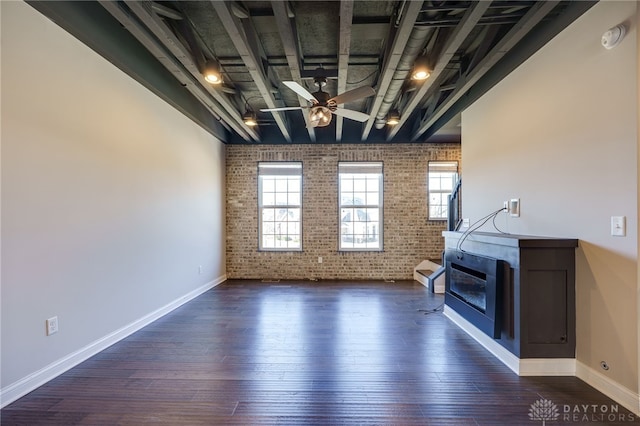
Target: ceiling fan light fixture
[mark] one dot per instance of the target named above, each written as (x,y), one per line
(320,116)
(323,106)
(211,72)
(393,118)
(421,69)
(249,118)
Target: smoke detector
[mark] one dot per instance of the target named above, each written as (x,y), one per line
(612,37)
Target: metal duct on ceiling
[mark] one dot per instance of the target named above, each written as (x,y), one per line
(413,48)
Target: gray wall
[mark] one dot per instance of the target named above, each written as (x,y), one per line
(561,134)
(111,201)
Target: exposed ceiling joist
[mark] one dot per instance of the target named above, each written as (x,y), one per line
(409,15)
(252,61)
(291,47)
(165,35)
(165,44)
(453,43)
(173,65)
(508,42)
(484,47)
(166,11)
(344,46)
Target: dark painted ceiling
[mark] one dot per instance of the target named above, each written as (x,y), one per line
(258,45)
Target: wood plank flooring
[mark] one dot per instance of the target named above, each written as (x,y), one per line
(301,353)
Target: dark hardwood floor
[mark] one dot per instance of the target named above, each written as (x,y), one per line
(326,353)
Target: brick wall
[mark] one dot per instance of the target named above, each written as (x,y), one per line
(408,236)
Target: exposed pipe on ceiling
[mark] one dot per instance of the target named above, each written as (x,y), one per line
(415,44)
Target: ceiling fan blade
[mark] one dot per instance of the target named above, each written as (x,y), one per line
(280,109)
(301,91)
(353,95)
(351,114)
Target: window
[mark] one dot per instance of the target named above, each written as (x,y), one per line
(280,206)
(443,176)
(360,188)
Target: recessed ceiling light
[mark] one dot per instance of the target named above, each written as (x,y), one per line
(249,119)
(421,69)
(211,72)
(393,118)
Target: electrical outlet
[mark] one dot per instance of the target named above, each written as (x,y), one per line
(465,222)
(319,259)
(52,325)
(200,269)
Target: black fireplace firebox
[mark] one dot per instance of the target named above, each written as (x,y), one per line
(473,286)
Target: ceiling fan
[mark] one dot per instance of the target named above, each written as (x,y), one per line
(322,106)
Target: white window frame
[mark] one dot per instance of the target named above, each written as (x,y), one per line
(268,171)
(440,171)
(369,170)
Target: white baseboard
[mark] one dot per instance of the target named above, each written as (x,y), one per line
(550,367)
(34,380)
(522,367)
(547,367)
(614,390)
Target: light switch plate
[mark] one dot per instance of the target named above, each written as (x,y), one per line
(618,226)
(514,207)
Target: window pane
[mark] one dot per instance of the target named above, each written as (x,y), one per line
(347,242)
(346,199)
(359,198)
(280,185)
(281,198)
(294,198)
(268,241)
(283,215)
(434,183)
(268,214)
(268,184)
(293,184)
(435,211)
(442,177)
(268,199)
(359,185)
(372,184)
(294,215)
(360,228)
(447,183)
(293,228)
(346,215)
(268,228)
(372,213)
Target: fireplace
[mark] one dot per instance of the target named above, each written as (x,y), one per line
(472,288)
